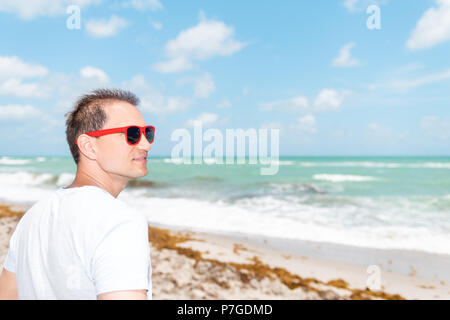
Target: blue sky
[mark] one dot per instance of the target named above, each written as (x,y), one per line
(312,69)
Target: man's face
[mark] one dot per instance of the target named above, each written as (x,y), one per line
(115,155)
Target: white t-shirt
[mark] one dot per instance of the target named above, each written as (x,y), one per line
(78,243)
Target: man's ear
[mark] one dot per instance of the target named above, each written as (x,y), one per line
(87,146)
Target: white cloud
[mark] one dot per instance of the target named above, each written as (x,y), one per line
(380,134)
(224,104)
(152,100)
(143,5)
(207,39)
(175,65)
(296,104)
(283,130)
(105,28)
(411,67)
(204,86)
(307,124)
(137,83)
(15,75)
(329,99)
(272,125)
(435,127)
(350,5)
(433,27)
(206,119)
(13,67)
(341,134)
(51,123)
(66,88)
(156,103)
(410,84)
(16,88)
(91,72)
(15,112)
(173,104)
(30,9)
(13,71)
(302,129)
(157,25)
(344,59)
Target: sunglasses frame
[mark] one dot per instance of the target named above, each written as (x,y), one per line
(104,132)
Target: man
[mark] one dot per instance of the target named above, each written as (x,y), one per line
(82,242)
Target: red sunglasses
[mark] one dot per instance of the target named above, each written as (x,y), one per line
(133,133)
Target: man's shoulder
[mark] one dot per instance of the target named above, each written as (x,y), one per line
(99,214)
(94,203)
(96,194)
(113,209)
(120,220)
(87,197)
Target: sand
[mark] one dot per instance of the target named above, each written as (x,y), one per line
(195,265)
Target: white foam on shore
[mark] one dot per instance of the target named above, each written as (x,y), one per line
(174,161)
(281,162)
(210,161)
(342,178)
(391,223)
(24,178)
(34,179)
(370,164)
(434,165)
(23,194)
(13,162)
(65,179)
(311,225)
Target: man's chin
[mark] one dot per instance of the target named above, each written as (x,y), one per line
(137,173)
(142,172)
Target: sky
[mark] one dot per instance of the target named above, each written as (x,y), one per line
(337,78)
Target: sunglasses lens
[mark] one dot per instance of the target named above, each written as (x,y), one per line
(133,135)
(149,133)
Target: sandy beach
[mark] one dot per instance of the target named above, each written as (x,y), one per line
(194,265)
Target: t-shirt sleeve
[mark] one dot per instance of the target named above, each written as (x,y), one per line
(10,263)
(121,261)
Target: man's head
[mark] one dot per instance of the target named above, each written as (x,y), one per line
(110,154)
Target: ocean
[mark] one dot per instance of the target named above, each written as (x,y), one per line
(369,202)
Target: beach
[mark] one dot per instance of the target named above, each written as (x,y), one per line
(198,265)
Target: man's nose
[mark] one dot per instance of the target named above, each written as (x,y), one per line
(144,144)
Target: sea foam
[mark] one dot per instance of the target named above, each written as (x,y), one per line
(342,178)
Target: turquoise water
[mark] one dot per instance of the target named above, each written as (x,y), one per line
(392,202)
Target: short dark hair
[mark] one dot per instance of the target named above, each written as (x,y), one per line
(88,114)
